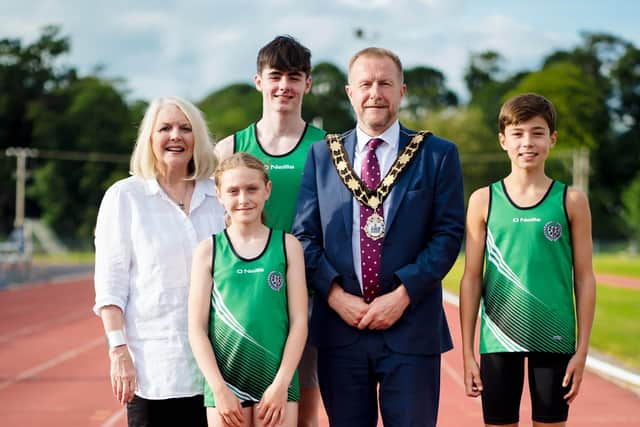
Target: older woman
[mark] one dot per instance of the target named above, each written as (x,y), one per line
(148,227)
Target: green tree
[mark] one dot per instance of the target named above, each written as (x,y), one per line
(327,104)
(576,97)
(484,68)
(614,65)
(89,115)
(631,209)
(231,108)
(487,84)
(426,92)
(483,161)
(626,79)
(28,73)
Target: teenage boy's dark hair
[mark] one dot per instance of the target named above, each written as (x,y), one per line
(285,53)
(524,107)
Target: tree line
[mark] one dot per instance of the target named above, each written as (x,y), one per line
(595,87)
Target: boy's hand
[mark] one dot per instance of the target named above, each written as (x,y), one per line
(573,376)
(272,405)
(472,381)
(229,408)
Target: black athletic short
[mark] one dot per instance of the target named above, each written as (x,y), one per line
(502,379)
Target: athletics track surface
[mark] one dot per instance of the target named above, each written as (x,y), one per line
(54,368)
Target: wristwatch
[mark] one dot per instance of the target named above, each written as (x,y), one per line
(116,338)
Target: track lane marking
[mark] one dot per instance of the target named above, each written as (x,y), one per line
(54,361)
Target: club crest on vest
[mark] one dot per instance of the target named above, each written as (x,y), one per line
(552,230)
(275,280)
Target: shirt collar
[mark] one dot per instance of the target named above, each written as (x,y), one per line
(390,136)
(151,185)
(205,186)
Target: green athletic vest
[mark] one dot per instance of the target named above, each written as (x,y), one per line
(527,298)
(249,321)
(285,172)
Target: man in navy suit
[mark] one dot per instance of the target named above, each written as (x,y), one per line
(380,215)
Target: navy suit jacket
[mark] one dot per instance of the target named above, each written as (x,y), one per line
(423,233)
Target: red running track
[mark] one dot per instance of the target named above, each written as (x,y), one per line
(54,369)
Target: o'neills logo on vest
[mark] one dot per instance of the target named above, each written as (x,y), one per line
(282,167)
(250,270)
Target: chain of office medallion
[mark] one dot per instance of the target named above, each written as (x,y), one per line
(366,196)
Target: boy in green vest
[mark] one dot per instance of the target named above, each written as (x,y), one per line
(281,139)
(534,235)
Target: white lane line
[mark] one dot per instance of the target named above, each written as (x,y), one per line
(451,371)
(27,330)
(69,354)
(62,279)
(113,419)
(594,364)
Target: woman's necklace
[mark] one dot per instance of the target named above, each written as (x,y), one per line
(178,200)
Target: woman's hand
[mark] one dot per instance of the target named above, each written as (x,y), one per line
(272,405)
(123,374)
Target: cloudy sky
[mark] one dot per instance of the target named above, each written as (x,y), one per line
(192,47)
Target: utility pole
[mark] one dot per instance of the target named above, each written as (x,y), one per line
(581,169)
(21,155)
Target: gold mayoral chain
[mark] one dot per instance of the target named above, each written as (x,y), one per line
(372,198)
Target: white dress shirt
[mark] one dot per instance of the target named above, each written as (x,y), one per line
(144,246)
(386,154)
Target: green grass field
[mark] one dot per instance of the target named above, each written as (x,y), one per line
(623,265)
(68,258)
(616,328)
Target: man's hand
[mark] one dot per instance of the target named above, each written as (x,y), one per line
(349,307)
(386,309)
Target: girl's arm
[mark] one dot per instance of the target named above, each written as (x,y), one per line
(227,404)
(579,214)
(272,405)
(471,286)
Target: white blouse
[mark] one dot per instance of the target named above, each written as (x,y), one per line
(144,246)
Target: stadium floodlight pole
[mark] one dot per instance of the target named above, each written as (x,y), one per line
(21,155)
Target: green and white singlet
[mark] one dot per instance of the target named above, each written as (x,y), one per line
(285,172)
(249,321)
(527,298)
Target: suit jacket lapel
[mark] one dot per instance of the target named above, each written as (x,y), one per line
(400,189)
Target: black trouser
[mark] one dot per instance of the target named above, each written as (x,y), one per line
(182,411)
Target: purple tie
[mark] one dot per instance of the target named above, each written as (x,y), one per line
(370,249)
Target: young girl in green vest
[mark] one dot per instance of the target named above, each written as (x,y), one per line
(534,235)
(248,306)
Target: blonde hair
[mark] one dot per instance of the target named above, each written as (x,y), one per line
(204,161)
(240,159)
